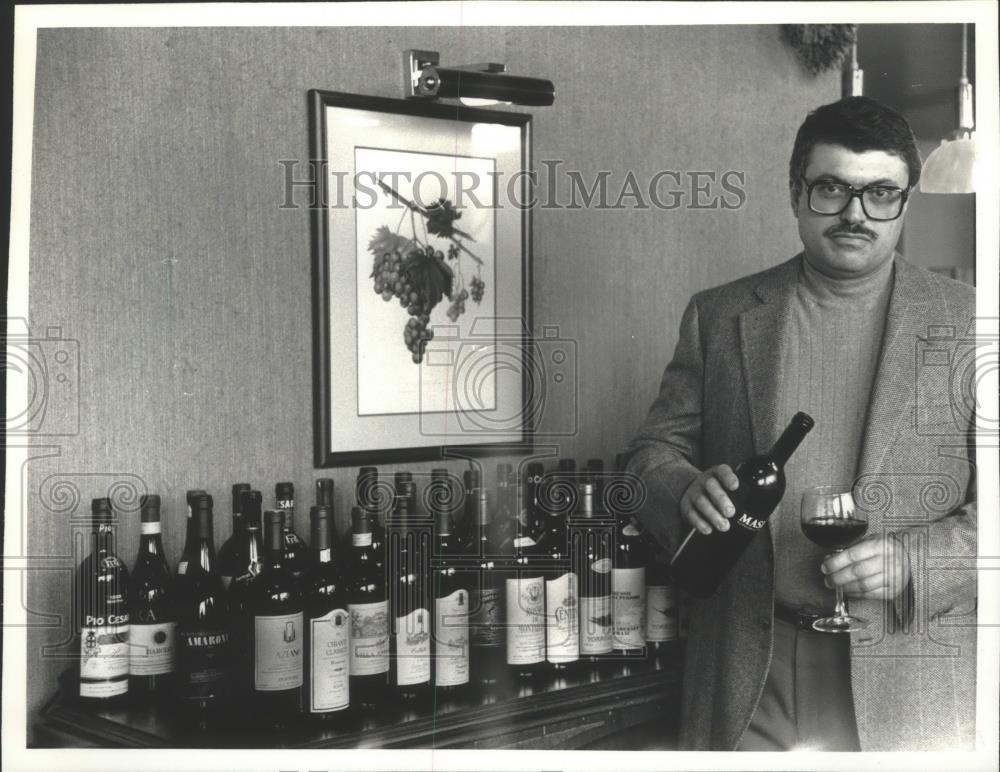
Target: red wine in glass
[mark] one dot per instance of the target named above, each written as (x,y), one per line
(829,519)
(834,533)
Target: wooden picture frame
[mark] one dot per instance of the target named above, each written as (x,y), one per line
(389,255)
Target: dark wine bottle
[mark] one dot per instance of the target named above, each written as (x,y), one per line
(533,520)
(368,607)
(525,605)
(703,560)
(276,610)
(190,551)
(408,572)
(591,541)
(488,659)
(203,649)
(661,605)
(249,559)
(467,532)
(373,499)
(628,591)
(327,675)
(230,564)
(451,593)
(152,616)
(562,608)
(296,558)
(324,496)
(103,624)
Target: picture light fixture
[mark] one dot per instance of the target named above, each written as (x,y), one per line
(488,83)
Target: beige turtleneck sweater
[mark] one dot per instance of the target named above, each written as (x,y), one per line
(831,346)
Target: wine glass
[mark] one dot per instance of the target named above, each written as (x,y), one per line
(829,519)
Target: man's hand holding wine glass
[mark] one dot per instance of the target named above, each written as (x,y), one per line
(876,568)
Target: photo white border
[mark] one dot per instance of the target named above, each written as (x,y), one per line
(29,19)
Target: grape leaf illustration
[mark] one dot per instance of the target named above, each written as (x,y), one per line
(431,275)
(441,216)
(385,240)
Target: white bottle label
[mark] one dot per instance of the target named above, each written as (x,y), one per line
(361,539)
(525,621)
(661,613)
(628,601)
(523,541)
(152,648)
(451,633)
(595,625)
(328,662)
(413,648)
(277,662)
(182,568)
(103,658)
(562,622)
(630,530)
(369,637)
(487,621)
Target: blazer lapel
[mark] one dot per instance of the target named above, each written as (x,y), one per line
(893,390)
(762,344)
(762,337)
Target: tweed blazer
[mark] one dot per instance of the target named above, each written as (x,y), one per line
(913,670)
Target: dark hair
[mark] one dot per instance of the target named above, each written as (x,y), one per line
(859,124)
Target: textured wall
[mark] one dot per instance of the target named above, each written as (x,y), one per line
(158,244)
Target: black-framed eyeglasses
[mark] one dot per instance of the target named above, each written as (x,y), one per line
(879,202)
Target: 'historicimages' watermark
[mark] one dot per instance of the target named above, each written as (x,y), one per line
(553,187)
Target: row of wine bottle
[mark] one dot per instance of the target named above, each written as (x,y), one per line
(272,628)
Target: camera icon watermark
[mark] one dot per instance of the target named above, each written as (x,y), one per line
(952,366)
(498,381)
(48,367)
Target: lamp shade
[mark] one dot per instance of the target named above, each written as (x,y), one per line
(951,167)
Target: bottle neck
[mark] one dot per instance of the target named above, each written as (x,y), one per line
(206,554)
(788,442)
(320,540)
(274,546)
(103,540)
(150,542)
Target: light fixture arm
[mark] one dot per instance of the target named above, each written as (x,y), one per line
(424,78)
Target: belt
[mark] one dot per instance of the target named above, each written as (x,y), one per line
(801,619)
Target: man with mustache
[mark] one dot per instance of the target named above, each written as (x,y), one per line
(837,332)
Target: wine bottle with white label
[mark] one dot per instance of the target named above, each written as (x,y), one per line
(591,538)
(628,592)
(296,557)
(327,625)
(562,606)
(230,563)
(368,607)
(524,602)
(103,623)
(152,615)
(451,592)
(203,627)
(276,634)
(661,606)
(248,560)
(486,622)
(408,572)
(703,560)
